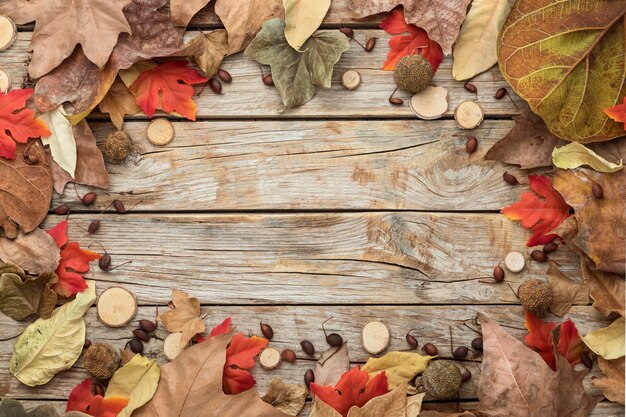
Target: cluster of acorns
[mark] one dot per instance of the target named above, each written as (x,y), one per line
(141,335)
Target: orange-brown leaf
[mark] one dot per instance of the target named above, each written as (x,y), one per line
(81,399)
(239,359)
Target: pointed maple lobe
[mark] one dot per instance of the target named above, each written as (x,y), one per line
(17,123)
(618,113)
(540,339)
(410,39)
(239,358)
(542,215)
(81,399)
(570,343)
(218,330)
(168,87)
(354,389)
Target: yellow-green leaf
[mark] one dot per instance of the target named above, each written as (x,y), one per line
(609,341)
(302,18)
(398,366)
(137,381)
(574,155)
(49,346)
(568,61)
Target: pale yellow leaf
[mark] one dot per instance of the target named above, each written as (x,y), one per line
(62,143)
(607,342)
(302,18)
(414,404)
(575,154)
(398,366)
(137,381)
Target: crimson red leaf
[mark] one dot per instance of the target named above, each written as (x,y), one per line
(17,123)
(570,343)
(81,399)
(539,338)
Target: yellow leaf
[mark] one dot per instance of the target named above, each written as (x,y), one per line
(302,18)
(475,49)
(609,341)
(398,366)
(137,381)
(574,155)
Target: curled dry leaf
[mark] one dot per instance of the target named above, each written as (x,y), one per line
(565,292)
(612,384)
(398,366)
(331,365)
(61,142)
(35,252)
(207,50)
(302,18)
(137,380)
(119,102)
(607,290)
(575,154)
(22,295)
(184,317)
(288,398)
(608,342)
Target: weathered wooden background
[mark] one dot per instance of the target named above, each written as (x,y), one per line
(346,207)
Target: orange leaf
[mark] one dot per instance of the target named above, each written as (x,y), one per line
(17,123)
(167,87)
(239,358)
(415,41)
(81,399)
(74,262)
(618,113)
(542,215)
(539,338)
(354,389)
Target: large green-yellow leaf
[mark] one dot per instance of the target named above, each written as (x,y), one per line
(49,346)
(567,60)
(137,381)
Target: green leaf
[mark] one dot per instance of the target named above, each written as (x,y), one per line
(13,408)
(574,155)
(137,381)
(568,61)
(49,346)
(22,295)
(296,73)
(607,342)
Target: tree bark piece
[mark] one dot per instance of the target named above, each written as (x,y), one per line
(5,81)
(432,103)
(116,307)
(269,358)
(375,337)
(160,132)
(468,115)
(8,32)
(351,79)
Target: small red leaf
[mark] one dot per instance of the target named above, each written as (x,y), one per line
(81,399)
(539,338)
(221,329)
(17,123)
(570,343)
(239,358)
(618,113)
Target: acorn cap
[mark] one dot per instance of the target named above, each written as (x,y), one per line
(442,380)
(117,146)
(413,73)
(535,295)
(101,360)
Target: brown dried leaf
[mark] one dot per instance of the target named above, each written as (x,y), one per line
(331,365)
(183,10)
(118,103)
(432,413)
(612,385)
(607,290)
(392,404)
(207,50)
(26,190)
(288,398)
(565,291)
(184,318)
(22,295)
(35,252)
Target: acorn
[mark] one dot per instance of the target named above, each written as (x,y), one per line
(288,355)
(460,352)
(267,330)
(309,377)
(477,343)
(101,360)
(442,380)
(413,73)
(536,296)
(411,340)
(147,325)
(498,274)
(308,347)
(430,349)
(117,146)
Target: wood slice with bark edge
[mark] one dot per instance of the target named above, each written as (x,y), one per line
(116,307)
(375,337)
(270,358)
(468,115)
(5,81)
(515,262)
(430,104)
(8,32)
(171,346)
(160,131)
(351,79)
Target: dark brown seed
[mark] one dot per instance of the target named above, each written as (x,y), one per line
(136,346)
(224,75)
(370,44)
(268,80)
(510,179)
(86,344)
(215,85)
(31,159)
(94,226)
(538,256)
(586,360)
(430,349)
(308,347)
(89,198)
(309,377)
(119,206)
(460,352)
(348,32)
(147,325)
(411,340)
(62,210)
(471,145)
(267,331)
(141,335)
(477,343)
(334,340)
(470,87)
(550,247)
(500,93)
(98,390)
(597,190)
(105,262)
(288,355)
(466,375)
(498,273)
(396,101)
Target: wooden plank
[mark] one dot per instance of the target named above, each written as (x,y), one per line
(292,324)
(309,165)
(248,97)
(326,258)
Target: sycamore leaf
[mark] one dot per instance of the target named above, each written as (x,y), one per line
(288,398)
(239,359)
(207,50)
(612,384)
(22,295)
(302,18)
(13,408)
(607,342)
(167,87)
(540,338)
(475,50)
(17,123)
(184,317)
(297,73)
(392,404)
(618,113)
(331,365)
(540,215)
(575,154)
(35,252)
(119,102)
(408,40)
(607,290)
(82,399)
(49,346)
(565,292)
(137,380)
(398,366)
(61,141)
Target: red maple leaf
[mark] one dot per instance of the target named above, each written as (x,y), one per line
(81,399)
(539,338)
(354,389)
(218,330)
(74,262)
(542,215)
(167,87)
(415,41)
(570,343)
(17,123)
(618,113)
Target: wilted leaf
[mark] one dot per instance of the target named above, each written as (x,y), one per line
(565,292)
(137,380)
(35,252)
(13,408)
(612,385)
(61,141)
(297,73)
(475,49)
(49,346)
(22,295)
(119,102)
(398,366)
(608,342)
(288,398)
(81,399)
(302,18)
(574,155)
(184,317)
(618,113)
(569,73)
(607,290)
(331,365)
(207,50)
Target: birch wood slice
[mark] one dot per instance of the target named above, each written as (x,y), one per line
(172,347)
(514,262)
(351,79)
(468,115)
(269,358)
(8,32)
(116,307)
(160,132)
(375,337)
(5,82)
(432,103)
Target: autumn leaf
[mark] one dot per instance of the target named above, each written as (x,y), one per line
(239,359)
(22,295)
(540,338)
(565,292)
(118,103)
(289,398)
(399,367)
(207,50)
(61,141)
(416,41)
(222,328)
(81,399)
(13,408)
(74,262)
(183,10)
(612,384)
(302,18)
(137,380)
(167,87)
(618,113)
(184,317)
(607,290)
(541,215)
(575,154)
(354,389)
(35,252)
(331,365)
(608,342)
(17,123)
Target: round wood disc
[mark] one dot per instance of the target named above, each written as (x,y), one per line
(171,346)
(351,79)
(468,115)
(8,32)
(375,337)
(116,307)
(432,103)
(160,132)
(5,82)
(514,262)
(269,358)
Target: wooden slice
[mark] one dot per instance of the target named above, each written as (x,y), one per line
(514,262)
(8,32)
(351,79)
(5,82)
(375,337)
(160,132)
(468,115)
(172,347)
(116,307)
(269,358)
(432,103)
